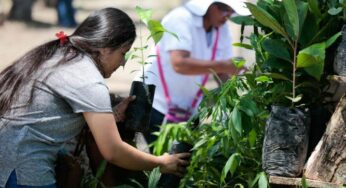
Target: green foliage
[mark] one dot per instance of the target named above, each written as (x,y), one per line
(304,183)
(290,64)
(228,141)
(337,7)
(95,181)
(169,133)
(155,27)
(293,42)
(153,180)
(156,33)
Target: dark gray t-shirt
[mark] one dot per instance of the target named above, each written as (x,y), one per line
(31,134)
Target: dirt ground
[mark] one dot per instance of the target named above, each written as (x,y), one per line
(17,38)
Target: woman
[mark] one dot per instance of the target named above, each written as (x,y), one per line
(48,94)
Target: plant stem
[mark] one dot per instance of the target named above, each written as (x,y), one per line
(294,70)
(142,54)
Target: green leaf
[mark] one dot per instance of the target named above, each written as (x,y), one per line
(323,31)
(200,143)
(313,5)
(334,11)
(266,19)
(316,50)
(230,166)
(315,71)
(309,30)
(154,178)
(276,48)
(254,181)
(238,62)
(292,13)
(236,120)
(144,14)
(278,76)
(332,39)
(101,169)
(312,60)
(246,20)
(306,60)
(248,106)
(303,8)
(138,185)
(246,46)
(252,137)
(205,91)
(308,84)
(234,134)
(92,183)
(263,79)
(296,99)
(156,30)
(263,182)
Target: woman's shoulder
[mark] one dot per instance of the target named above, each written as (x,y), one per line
(78,72)
(81,64)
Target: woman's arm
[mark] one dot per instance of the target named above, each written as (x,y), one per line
(114,150)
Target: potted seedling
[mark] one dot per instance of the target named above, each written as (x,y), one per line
(289,73)
(338,8)
(290,51)
(227,141)
(138,112)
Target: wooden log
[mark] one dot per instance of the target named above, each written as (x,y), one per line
(328,161)
(339,79)
(297,182)
(336,88)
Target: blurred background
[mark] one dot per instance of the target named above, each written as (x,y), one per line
(20,32)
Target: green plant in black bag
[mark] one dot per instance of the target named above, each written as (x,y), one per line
(138,112)
(291,53)
(228,140)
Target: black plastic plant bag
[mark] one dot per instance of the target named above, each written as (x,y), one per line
(340,57)
(286,141)
(138,111)
(171,180)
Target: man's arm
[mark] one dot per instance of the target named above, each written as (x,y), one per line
(182,63)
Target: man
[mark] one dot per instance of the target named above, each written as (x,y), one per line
(181,65)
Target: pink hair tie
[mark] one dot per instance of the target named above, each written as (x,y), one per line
(62,37)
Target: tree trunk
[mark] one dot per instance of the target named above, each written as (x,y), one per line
(21,10)
(328,161)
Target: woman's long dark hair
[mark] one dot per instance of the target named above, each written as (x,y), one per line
(106,28)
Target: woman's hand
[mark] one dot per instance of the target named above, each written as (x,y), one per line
(119,109)
(174,164)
